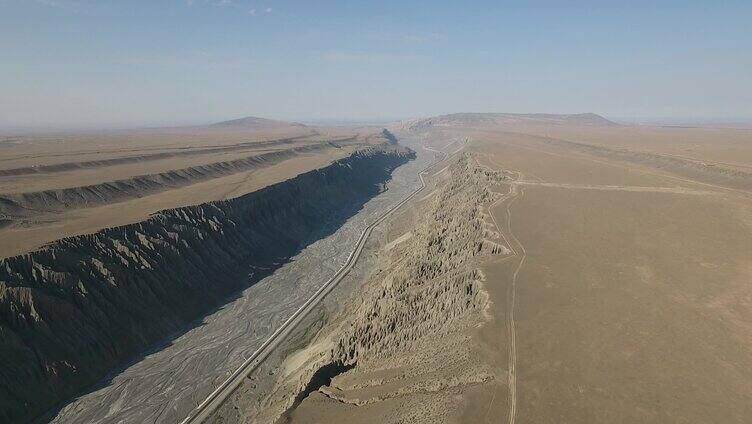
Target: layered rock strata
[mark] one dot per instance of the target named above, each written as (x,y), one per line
(74,310)
(27,204)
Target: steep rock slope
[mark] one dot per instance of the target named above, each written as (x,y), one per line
(174,152)
(403,350)
(72,311)
(26,204)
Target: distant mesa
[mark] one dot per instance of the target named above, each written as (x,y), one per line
(495,119)
(255,122)
(586,119)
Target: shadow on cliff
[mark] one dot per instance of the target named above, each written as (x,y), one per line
(263,270)
(84,306)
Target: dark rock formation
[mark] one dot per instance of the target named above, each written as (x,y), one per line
(76,309)
(389,136)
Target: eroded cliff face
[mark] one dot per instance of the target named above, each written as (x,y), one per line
(72,311)
(403,350)
(15,206)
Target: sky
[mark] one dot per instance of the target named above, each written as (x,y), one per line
(167,62)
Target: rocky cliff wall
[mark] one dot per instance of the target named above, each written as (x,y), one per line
(74,310)
(402,349)
(27,204)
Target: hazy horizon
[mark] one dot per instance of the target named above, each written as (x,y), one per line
(118,126)
(72,64)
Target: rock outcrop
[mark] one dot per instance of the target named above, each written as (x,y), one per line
(18,205)
(74,310)
(147,157)
(408,332)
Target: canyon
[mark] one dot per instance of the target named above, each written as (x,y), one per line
(76,308)
(537,268)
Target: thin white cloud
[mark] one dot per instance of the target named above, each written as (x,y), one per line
(366,57)
(236,4)
(190,59)
(50,3)
(423,38)
(218,3)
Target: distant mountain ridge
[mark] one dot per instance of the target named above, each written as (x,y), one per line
(255,122)
(490,119)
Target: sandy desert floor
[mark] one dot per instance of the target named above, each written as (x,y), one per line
(633,301)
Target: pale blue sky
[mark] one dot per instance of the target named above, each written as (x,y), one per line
(79,62)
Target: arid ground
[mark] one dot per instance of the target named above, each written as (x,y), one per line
(556,269)
(551,269)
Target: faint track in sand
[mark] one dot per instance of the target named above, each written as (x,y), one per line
(636,168)
(511,306)
(516,192)
(518,249)
(640,189)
